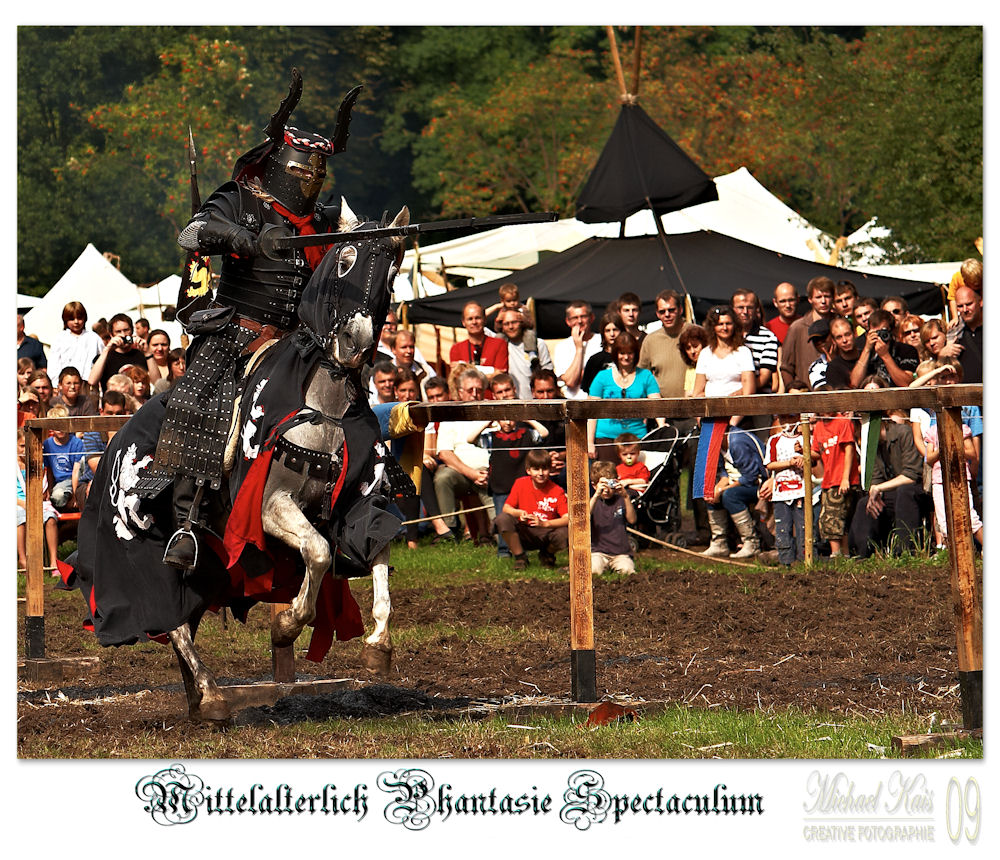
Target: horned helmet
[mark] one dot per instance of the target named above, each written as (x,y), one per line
(290,166)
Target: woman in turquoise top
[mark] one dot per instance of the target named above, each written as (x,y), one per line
(621,380)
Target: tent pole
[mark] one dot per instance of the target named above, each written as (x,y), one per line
(415,271)
(636,61)
(616,61)
(666,247)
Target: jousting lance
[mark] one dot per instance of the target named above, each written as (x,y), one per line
(275,240)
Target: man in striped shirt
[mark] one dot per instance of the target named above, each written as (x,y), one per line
(761,341)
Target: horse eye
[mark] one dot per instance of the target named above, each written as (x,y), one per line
(345,262)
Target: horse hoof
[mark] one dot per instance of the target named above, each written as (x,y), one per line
(215,711)
(376,658)
(284,630)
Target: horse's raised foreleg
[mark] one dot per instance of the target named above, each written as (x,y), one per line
(284,520)
(377,652)
(205,699)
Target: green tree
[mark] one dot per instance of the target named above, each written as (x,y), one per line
(918,135)
(58,69)
(523,146)
(199,86)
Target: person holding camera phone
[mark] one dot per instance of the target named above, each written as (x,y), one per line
(611,513)
(123,349)
(882,355)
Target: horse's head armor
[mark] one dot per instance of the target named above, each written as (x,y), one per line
(348,296)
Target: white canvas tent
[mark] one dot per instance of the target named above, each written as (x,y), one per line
(104,292)
(152,301)
(487,255)
(25,302)
(745,210)
(92,280)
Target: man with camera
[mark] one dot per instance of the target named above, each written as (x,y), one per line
(122,350)
(883,355)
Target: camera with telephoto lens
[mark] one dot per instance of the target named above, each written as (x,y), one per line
(883,333)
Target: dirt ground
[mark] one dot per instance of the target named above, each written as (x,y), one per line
(838,641)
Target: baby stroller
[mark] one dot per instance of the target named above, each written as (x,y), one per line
(658,507)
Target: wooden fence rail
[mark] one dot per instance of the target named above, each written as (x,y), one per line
(945,401)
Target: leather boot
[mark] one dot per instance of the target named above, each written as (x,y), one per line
(718,521)
(182,547)
(182,550)
(745,525)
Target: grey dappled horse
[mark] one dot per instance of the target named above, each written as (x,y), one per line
(355,314)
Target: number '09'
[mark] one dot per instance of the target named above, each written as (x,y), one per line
(967,804)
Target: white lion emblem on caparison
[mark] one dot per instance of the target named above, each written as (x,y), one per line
(124,476)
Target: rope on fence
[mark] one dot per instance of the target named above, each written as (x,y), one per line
(688,551)
(442,516)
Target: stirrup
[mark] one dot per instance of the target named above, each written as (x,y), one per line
(175,553)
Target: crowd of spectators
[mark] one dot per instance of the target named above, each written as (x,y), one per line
(502,483)
(839,341)
(109,368)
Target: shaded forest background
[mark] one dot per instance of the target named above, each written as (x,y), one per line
(842,123)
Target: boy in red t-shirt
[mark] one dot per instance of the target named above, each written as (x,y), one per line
(632,472)
(536,514)
(833,441)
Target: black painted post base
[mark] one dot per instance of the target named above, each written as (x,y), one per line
(34,637)
(970,686)
(584,664)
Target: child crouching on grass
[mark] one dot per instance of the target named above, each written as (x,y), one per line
(610,509)
(536,514)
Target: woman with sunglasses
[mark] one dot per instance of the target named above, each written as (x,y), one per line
(908,332)
(621,380)
(725,366)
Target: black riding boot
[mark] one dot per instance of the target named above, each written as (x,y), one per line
(182,548)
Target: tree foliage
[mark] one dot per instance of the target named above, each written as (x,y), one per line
(844,124)
(520,148)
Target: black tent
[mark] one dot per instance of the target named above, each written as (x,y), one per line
(712,265)
(641,167)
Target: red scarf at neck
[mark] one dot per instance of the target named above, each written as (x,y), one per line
(304,225)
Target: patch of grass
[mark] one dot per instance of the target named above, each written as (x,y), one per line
(461,564)
(677,732)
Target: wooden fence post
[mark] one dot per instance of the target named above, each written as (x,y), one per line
(282,658)
(581,593)
(807,485)
(34,615)
(966,597)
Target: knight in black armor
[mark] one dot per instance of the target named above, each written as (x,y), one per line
(276,183)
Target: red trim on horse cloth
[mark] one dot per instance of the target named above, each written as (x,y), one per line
(337,612)
(245,524)
(65,572)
